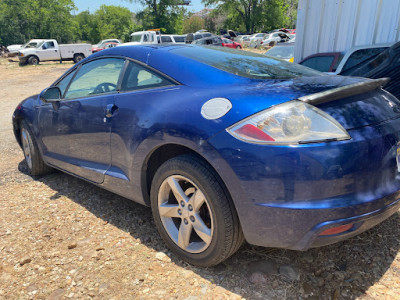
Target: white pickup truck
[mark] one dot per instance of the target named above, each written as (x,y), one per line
(143,37)
(47,50)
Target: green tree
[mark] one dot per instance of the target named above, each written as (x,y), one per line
(86,29)
(167,15)
(114,22)
(21,20)
(193,24)
(254,15)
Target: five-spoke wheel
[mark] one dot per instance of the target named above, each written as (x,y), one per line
(193,211)
(185,213)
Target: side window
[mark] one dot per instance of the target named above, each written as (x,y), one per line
(320,63)
(166,39)
(138,77)
(48,45)
(63,84)
(360,56)
(96,77)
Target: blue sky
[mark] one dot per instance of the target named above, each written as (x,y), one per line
(93,5)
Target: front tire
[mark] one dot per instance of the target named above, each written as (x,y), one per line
(193,212)
(34,161)
(33,60)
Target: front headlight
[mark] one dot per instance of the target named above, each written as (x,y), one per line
(20,54)
(293,122)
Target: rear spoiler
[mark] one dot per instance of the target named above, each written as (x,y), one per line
(345,91)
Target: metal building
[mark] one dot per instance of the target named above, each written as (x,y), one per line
(338,25)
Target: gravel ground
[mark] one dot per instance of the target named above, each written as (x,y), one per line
(61,237)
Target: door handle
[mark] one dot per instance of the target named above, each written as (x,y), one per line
(110,110)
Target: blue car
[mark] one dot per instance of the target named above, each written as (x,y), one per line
(225,146)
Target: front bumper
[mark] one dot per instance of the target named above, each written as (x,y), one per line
(286,196)
(22,59)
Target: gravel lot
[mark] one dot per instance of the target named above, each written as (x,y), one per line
(61,237)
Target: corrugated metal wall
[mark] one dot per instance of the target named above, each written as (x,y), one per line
(338,25)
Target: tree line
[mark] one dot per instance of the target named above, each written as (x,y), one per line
(22,20)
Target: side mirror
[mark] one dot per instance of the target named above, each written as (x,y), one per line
(51,94)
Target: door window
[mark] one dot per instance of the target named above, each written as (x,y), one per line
(96,77)
(63,84)
(138,77)
(48,45)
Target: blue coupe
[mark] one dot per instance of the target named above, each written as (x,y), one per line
(223,145)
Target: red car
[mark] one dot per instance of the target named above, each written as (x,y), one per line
(231,44)
(105,44)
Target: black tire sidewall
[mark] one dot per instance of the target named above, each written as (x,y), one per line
(32,59)
(38,165)
(78,58)
(217,246)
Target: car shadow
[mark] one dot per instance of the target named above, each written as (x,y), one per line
(345,270)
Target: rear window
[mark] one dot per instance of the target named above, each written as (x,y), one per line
(166,39)
(179,39)
(283,52)
(245,64)
(362,55)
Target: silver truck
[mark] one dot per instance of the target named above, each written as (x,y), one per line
(48,50)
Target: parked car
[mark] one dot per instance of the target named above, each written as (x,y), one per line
(196,36)
(214,41)
(385,65)
(258,37)
(240,38)
(13,49)
(275,37)
(102,44)
(283,51)
(338,62)
(180,39)
(231,44)
(143,37)
(50,50)
(245,41)
(224,145)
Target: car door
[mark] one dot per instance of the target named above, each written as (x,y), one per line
(75,132)
(49,52)
(143,94)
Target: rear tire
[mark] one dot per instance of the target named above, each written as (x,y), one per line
(33,158)
(78,58)
(194,213)
(33,60)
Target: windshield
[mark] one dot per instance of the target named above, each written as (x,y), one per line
(136,37)
(245,64)
(33,44)
(284,52)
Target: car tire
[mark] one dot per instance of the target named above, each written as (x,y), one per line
(78,58)
(238,47)
(33,60)
(189,200)
(33,158)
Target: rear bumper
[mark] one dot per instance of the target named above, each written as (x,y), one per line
(360,223)
(286,196)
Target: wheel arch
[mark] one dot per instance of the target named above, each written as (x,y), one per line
(32,55)
(163,153)
(79,54)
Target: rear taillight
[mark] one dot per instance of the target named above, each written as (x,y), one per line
(293,122)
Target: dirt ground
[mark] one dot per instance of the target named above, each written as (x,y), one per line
(61,237)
